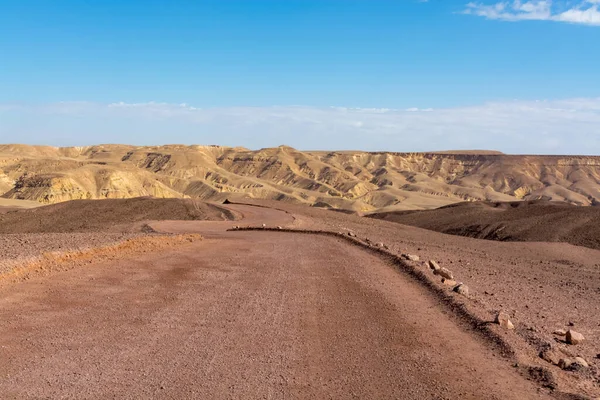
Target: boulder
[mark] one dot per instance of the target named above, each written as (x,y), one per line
(573,337)
(448,282)
(503,319)
(461,288)
(560,332)
(380,245)
(280,228)
(410,257)
(351,234)
(264,225)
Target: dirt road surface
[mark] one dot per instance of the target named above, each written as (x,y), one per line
(252,315)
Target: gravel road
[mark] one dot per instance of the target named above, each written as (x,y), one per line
(242,315)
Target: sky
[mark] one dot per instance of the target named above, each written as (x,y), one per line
(385,75)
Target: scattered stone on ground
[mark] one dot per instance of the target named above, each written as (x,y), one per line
(264,225)
(279,227)
(410,257)
(574,337)
(581,360)
(573,364)
(448,282)
(560,332)
(351,234)
(461,288)
(503,319)
(380,245)
(551,355)
(444,273)
(434,265)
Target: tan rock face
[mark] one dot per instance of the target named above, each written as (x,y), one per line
(359,181)
(573,337)
(503,319)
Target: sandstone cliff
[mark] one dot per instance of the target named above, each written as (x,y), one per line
(351,180)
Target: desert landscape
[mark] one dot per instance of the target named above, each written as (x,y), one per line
(212,272)
(357,181)
(300,199)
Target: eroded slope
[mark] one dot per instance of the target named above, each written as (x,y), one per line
(122,215)
(357,181)
(527,221)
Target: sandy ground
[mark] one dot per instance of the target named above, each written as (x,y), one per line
(284,315)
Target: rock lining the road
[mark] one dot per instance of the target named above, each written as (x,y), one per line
(475,320)
(573,337)
(503,319)
(477,323)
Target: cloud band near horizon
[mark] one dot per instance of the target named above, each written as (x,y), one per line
(533,127)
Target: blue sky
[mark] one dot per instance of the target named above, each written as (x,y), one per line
(399,75)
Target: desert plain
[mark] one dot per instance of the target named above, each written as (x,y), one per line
(210,272)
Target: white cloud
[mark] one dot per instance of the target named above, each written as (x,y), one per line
(569,126)
(585,12)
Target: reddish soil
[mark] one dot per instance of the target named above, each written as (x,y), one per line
(253,316)
(109,214)
(287,315)
(543,286)
(7,209)
(16,248)
(527,221)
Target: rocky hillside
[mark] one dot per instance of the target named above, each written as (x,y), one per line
(116,215)
(349,180)
(520,221)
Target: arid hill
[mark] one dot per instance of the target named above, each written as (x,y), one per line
(528,221)
(358,181)
(116,215)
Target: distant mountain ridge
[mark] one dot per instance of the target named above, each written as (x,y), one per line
(354,180)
